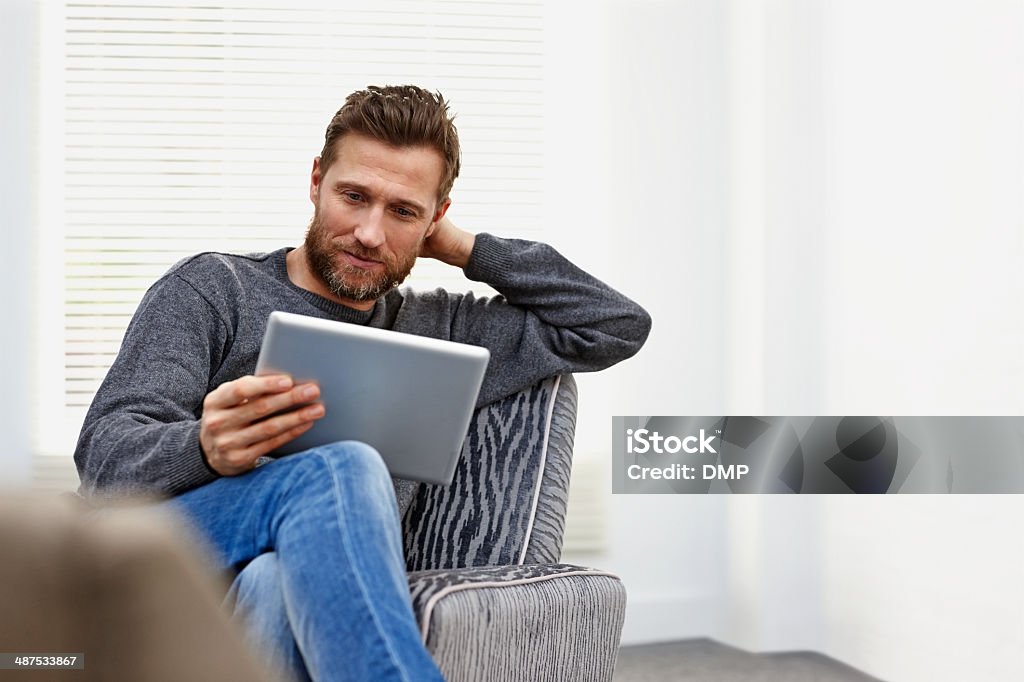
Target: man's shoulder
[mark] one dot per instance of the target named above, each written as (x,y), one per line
(408,295)
(221,261)
(212,266)
(425,306)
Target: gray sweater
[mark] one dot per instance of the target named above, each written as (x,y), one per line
(202,323)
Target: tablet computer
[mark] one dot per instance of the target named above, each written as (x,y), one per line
(410,397)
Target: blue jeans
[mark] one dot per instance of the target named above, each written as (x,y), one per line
(322,584)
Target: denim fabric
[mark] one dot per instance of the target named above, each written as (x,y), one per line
(256,599)
(335,584)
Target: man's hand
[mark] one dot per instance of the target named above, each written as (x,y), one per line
(449,244)
(236,428)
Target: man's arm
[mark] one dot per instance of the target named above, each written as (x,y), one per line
(551,317)
(142,430)
(153,427)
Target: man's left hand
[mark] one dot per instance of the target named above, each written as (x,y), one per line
(449,244)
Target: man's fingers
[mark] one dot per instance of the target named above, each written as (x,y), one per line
(259,408)
(242,390)
(257,450)
(267,405)
(273,428)
(244,461)
(251,416)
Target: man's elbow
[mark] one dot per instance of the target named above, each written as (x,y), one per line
(623,338)
(635,328)
(641,326)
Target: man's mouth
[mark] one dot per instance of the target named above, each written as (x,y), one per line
(360,262)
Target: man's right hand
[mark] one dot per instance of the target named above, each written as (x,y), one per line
(236,428)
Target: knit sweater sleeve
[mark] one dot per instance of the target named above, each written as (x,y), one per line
(551,317)
(141,433)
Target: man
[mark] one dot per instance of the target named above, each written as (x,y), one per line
(316,535)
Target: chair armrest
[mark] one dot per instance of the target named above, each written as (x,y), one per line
(525,622)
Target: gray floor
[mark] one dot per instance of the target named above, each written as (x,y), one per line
(704,660)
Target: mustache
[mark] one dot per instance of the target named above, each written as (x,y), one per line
(317,232)
(360,251)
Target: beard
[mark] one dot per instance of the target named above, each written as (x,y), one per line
(345,280)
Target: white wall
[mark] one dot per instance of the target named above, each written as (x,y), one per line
(926,587)
(639,190)
(923,166)
(18,179)
(924,183)
(820,203)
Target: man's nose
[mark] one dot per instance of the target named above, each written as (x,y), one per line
(370,230)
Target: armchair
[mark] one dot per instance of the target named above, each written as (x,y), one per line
(492,601)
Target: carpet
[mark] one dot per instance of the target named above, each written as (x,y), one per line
(705,660)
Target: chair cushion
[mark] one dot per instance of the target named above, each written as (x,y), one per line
(530,622)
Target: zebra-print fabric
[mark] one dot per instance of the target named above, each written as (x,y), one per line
(506,503)
(536,623)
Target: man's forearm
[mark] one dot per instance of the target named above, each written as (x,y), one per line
(120,454)
(551,317)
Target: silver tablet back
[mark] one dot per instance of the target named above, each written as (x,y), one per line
(408,396)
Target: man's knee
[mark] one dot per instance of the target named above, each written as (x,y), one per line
(353,454)
(346,462)
(258,582)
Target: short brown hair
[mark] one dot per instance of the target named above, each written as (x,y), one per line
(402,116)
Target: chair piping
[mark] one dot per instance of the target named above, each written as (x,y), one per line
(543,464)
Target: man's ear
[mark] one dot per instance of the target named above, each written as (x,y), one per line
(314,181)
(438,214)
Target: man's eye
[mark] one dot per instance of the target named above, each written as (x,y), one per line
(404,212)
(353,196)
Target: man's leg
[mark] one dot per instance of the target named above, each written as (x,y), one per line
(329,514)
(256,599)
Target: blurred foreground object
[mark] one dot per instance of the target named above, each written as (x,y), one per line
(122,586)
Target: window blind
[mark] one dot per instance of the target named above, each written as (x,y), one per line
(187,128)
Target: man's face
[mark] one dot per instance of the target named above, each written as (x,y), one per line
(374,207)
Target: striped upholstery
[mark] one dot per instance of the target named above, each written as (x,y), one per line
(491,601)
(427,588)
(535,623)
(506,503)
